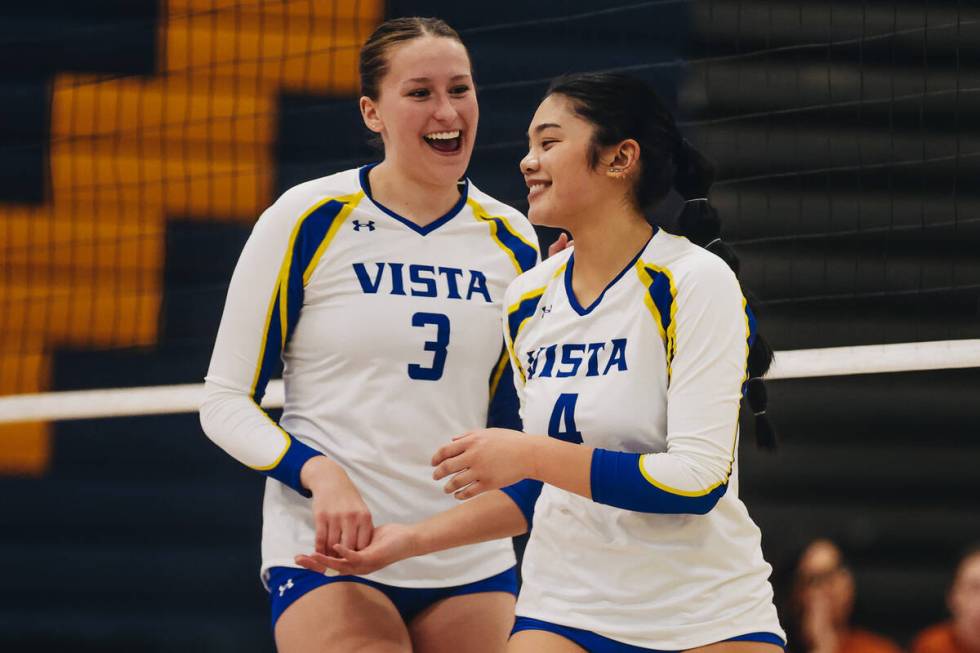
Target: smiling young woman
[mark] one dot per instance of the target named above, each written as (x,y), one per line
(631,353)
(380,289)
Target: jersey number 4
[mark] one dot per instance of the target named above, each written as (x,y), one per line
(437,346)
(562,422)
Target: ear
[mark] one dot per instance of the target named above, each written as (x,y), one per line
(623,159)
(369,113)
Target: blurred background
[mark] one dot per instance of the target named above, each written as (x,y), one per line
(140,139)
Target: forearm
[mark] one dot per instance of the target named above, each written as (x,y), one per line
(619,479)
(489,516)
(562,464)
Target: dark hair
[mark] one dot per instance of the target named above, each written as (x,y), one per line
(374,57)
(621,107)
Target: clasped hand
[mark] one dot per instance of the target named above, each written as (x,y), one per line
(475,462)
(483,460)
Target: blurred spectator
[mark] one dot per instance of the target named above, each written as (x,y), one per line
(961,634)
(820,605)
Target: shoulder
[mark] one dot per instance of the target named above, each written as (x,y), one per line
(937,638)
(495,208)
(538,278)
(695,271)
(296,201)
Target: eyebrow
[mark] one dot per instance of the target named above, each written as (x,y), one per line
(424,80)
(543,126)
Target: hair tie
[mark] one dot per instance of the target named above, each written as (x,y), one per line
(708,246)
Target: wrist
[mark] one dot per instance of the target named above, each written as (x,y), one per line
(532,455)
(317,471)
(417,540)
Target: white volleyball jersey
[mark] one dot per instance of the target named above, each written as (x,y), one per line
(654,366)
(390,338)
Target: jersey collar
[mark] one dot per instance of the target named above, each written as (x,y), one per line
(573,300)
(427,229)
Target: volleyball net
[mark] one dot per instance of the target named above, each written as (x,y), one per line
(838,129)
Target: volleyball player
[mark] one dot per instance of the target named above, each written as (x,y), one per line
(380,288)
(631,351)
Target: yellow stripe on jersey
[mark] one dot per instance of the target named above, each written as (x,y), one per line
(351,202)
(731,458)
(498,371)
(517,316)
(286,443)
(522,254)
(280,290)
(684,493)
(662,303)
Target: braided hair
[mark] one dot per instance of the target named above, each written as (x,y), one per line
(621,107)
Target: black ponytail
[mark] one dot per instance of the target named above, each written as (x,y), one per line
(621,107)
(700,223)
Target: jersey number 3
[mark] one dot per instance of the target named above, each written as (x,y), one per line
(437,346)
(562,422)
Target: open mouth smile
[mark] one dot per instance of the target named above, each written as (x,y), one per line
(447,142)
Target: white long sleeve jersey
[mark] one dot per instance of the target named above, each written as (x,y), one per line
(390,341)
(654,366)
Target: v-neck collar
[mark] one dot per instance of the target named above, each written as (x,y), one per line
(427,229)
(573,300)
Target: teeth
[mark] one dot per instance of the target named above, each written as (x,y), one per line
(443,136)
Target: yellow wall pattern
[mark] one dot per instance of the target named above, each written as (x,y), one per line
(195,140)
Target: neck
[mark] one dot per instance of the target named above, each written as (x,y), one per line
(410,197)
(604,247)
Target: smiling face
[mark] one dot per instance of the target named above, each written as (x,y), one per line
(563,184)
(426,109)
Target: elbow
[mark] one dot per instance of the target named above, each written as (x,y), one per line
(618,480)
(217,410)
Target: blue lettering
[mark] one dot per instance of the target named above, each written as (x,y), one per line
(549,360)
(478,285)
(397,280)
(429,283)
(452,275)
(618,356)
(594,349)
(368,285)
(570,355)
(532,362)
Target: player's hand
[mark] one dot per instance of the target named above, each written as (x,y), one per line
(560,244)
(483,460)
(817,623)
(339,513)
(391,543)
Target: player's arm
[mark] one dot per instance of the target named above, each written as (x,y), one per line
(247,352)
(707,373)
(260,312)
(702,408)
(491,516)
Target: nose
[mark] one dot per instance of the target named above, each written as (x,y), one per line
(529,163)
(445,111)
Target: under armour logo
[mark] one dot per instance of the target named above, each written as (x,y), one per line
(545,309)
(287,586)
(369,225)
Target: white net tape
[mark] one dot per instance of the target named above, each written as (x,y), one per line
(794,364)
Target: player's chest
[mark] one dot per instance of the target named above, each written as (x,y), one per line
(598,378)
(381,290)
